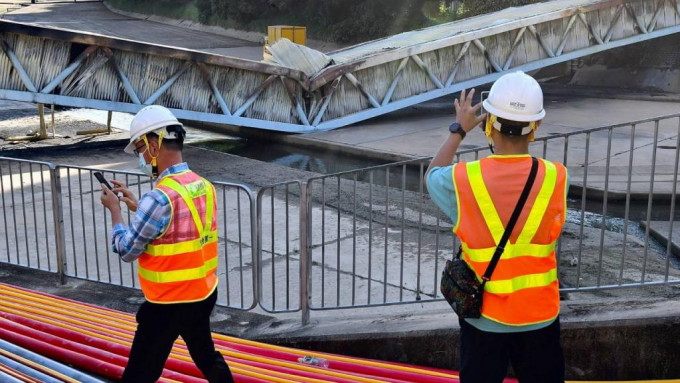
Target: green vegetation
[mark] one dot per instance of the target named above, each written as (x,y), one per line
(342,21)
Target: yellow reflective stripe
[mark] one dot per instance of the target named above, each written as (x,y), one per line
(509,286)
(179,189)
(178,275)
(455,188)
(209,205)
(486,206)
(540,204)
(511,251)
(181,247)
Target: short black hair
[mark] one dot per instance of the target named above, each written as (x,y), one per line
(176,143)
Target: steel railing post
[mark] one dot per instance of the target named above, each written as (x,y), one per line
(58,216)
(305,258)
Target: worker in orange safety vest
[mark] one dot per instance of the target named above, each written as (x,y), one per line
(519,323)
(173,235)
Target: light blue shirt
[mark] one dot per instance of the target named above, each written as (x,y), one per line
(441,186)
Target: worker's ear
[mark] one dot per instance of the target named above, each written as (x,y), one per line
(538,123)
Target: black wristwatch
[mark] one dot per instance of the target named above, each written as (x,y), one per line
(457,128)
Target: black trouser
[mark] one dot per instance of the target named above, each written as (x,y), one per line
(158,327)
(536,356)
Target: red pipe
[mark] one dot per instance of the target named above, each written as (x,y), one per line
(112,361)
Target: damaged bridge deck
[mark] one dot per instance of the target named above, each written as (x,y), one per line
(305,91)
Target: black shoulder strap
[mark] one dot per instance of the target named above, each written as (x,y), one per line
(513,220)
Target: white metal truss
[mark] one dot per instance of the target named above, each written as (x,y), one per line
(54,66)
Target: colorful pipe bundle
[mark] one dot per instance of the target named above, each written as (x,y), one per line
(98,340)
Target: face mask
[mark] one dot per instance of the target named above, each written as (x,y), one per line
(143,166)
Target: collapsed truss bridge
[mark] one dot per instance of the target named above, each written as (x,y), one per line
(70,68)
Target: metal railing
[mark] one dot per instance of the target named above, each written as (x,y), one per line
(372,236)
(38,197)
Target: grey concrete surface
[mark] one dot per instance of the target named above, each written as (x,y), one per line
(94,17)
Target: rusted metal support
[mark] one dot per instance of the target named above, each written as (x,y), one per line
(52,113)
(108,121)
(43,126)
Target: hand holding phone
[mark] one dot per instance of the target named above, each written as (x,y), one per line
(100,177)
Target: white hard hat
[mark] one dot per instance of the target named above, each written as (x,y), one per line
(151,118)
(517,97)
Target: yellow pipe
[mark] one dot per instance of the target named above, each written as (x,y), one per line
(107,312)
(63,307)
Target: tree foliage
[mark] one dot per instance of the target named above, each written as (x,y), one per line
(342,21)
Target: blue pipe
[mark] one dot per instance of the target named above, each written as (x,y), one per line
(4,378)
(49,363)
(13,364)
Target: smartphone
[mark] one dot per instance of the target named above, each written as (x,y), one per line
(483,95)
(100,177)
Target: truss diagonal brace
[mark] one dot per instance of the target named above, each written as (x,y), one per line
(511,56)
(17,65)
(121,75)
(545,46)
(290,89)
(486,54)
(361,88)
(655,18)
(69,69)
(395,81)
(216,92)
(159,92)
(326,101)
(239,112)
(427,70)
(463,51)
(610,31)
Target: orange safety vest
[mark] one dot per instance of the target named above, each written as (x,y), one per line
(523,289)
(179,266)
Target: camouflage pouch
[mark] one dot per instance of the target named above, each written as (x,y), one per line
(460,287)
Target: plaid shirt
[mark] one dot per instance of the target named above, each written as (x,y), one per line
(150,221)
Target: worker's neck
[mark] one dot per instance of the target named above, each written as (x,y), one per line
(510,146)
(167,160)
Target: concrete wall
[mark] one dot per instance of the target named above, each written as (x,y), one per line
(625,349)
(653,66)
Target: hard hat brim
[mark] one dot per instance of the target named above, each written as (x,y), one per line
(130,147)
(512,116)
